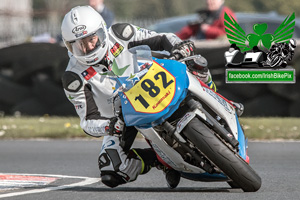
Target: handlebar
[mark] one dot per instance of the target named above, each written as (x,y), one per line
(187,58)
(175,57)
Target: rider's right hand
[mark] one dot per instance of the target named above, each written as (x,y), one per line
(183,49)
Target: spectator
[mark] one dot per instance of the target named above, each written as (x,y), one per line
(210,24)
(106,14)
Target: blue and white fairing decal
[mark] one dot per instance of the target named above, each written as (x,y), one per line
(168,82)
(241,139)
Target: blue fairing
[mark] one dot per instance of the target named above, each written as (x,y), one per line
(205,177)
(146,120)
(241,139)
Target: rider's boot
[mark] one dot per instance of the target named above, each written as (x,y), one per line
(173,178)
(239,108)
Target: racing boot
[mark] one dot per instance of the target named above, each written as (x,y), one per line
(239,108)
(173,178)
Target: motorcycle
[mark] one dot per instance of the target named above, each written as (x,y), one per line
(192,129)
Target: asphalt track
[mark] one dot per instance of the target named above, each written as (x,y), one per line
(73,165)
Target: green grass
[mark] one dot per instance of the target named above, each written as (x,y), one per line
(40,127)
(272,128)
(68,127)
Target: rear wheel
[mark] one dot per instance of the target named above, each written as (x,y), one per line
(241,174)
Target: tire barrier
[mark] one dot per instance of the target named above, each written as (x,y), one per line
(30,83)
(30,80)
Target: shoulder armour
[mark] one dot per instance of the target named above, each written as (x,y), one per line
(71,81)
(123,31)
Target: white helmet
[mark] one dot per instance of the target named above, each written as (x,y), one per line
(85,34)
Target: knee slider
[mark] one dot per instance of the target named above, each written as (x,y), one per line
(109,163)
(111,179)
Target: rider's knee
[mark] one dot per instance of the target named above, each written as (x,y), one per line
(111,179)
(109,165)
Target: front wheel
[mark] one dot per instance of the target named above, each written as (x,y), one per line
(241,174)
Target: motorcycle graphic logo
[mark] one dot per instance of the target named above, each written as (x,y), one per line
(261,50)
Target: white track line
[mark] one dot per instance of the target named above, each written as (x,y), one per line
(86,181)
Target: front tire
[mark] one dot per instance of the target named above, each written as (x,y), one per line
(241,174)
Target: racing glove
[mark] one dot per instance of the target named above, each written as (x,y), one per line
(206,77)
(115,127)
(183,49)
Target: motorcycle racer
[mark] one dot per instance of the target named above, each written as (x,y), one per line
(93,49)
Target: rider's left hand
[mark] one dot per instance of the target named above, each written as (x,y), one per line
(116,127)
(205,76)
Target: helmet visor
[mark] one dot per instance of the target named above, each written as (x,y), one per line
(89,44)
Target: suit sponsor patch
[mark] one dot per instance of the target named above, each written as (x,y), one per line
(116,49)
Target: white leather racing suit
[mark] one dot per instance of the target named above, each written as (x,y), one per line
(90,89)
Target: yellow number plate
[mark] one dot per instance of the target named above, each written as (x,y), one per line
(154,92)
